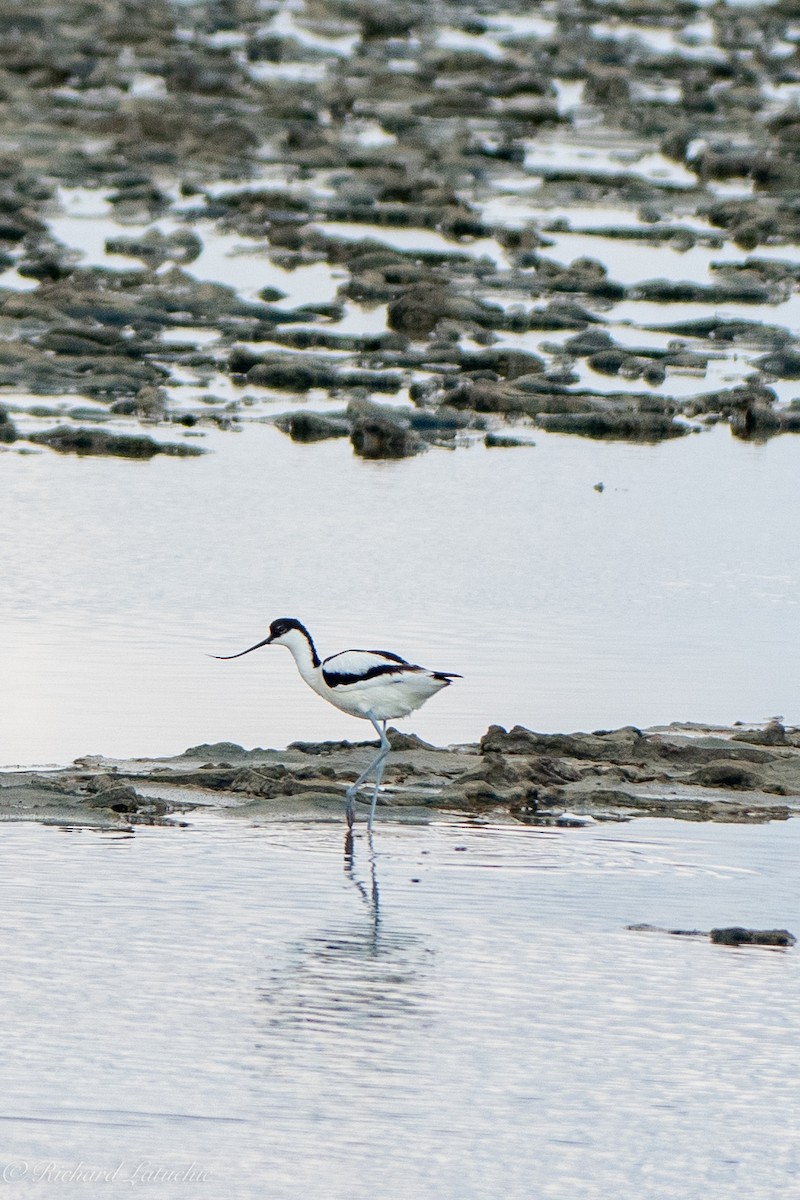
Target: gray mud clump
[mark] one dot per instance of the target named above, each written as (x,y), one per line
(8,432)
(737,936)
(69,440)
(733,935)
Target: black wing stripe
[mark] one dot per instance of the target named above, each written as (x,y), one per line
(392,658)
(336,679)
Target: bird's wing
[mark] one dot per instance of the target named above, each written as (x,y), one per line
(356,666)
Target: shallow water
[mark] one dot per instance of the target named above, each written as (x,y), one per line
(229,998)
(672,594)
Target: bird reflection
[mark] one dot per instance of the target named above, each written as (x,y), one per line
(356,973)
(369,893)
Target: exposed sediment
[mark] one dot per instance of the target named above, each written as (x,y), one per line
(731,935)
(689,772)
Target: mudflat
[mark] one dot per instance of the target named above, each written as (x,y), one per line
(686,771)
(584,220)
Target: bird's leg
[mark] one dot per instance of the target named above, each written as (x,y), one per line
(381,763)
(377,766)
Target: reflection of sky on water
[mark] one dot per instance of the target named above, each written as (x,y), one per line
(501,1025)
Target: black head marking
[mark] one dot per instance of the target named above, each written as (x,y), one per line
(284,625)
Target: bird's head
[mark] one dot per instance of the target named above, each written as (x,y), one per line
(281,633)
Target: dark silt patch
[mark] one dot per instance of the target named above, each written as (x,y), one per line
(76,440)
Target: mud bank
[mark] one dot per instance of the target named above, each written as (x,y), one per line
(688,772)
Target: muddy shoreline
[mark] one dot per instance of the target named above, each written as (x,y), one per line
(746,774)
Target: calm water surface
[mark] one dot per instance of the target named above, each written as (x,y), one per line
(462,1014)
(672,594)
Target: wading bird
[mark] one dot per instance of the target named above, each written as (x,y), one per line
(372,684)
